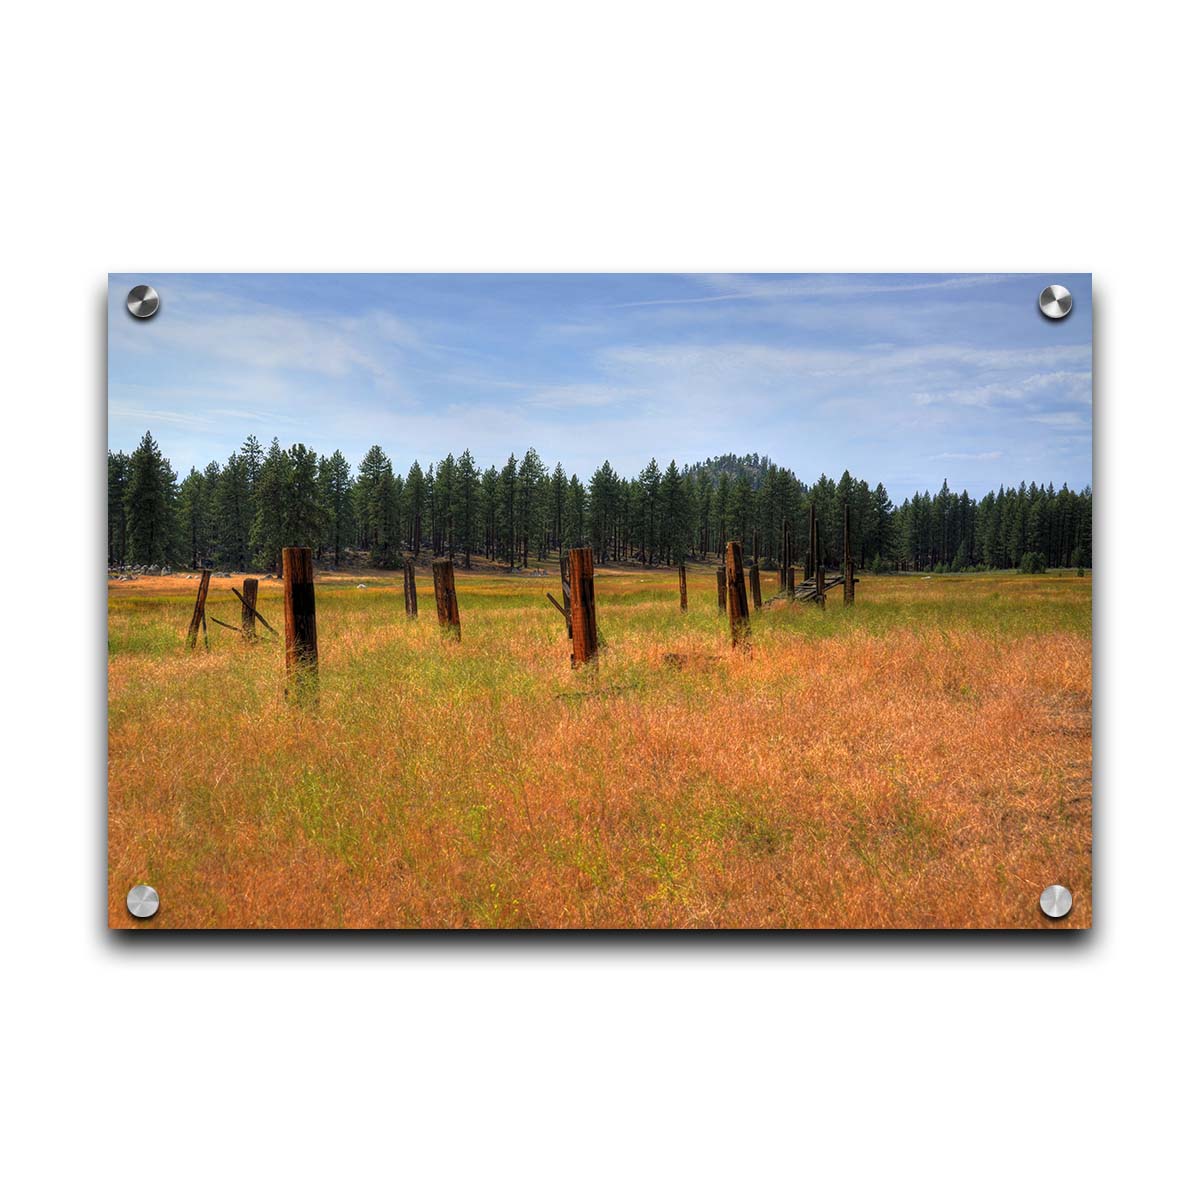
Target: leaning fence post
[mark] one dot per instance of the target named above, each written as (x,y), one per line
(583,606)
(249,604)
(447,598)
(755,586)
(198,612)
(564,573)
(721,588)
(410,588)
(299,624)
(682,585)
(739,610)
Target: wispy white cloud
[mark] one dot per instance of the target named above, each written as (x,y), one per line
(1062,420)
(966,456)
(744,287)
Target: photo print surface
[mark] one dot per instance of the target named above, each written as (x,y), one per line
(599,602)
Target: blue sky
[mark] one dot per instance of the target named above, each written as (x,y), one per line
(904,379)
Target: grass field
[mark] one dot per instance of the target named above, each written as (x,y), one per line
(922,759)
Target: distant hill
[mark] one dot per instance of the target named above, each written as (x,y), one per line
(737,466)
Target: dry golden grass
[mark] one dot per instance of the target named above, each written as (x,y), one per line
(920,760)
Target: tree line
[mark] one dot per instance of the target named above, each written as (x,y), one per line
(237,515)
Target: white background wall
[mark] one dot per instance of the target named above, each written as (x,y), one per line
(615,136)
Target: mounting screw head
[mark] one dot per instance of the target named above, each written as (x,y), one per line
(1056,901)
(142,301)
(1055,301)
(142,901)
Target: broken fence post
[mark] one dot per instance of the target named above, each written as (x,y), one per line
(258,616)
(299,624)
(584,643)
(682,585)
(249,602)
(446,596)
(755,586)
(198,612)
(739,610)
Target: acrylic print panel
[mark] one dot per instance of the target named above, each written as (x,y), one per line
(599,601)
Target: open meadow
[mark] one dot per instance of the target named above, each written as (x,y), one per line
(921,759)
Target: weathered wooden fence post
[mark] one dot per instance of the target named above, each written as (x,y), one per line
(198,613)
(721,588)
(847,560)
(739,610)
(299,624)
(410,588)
(564,572)
(249,604)
(810,564)
(583,606)
(682,585)
(755,586)
(785,557)
(446,596)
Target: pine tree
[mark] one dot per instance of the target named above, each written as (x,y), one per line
(335,483)
(489,509)
(442,510)
(465,507)
(508,510)
(529,478)
(193,518)
(268,530)
(558,505)
(118,480)
(149,504)
(233,512)
(304,515)
(576,519)
(375,500)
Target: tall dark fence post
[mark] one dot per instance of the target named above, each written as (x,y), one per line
(739,610)
(198,613)
(785,557)
(446,596)
(721,588)
(755,586)
(299,624)
(682,585)
(410,588)
(249,604)
(584,641)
